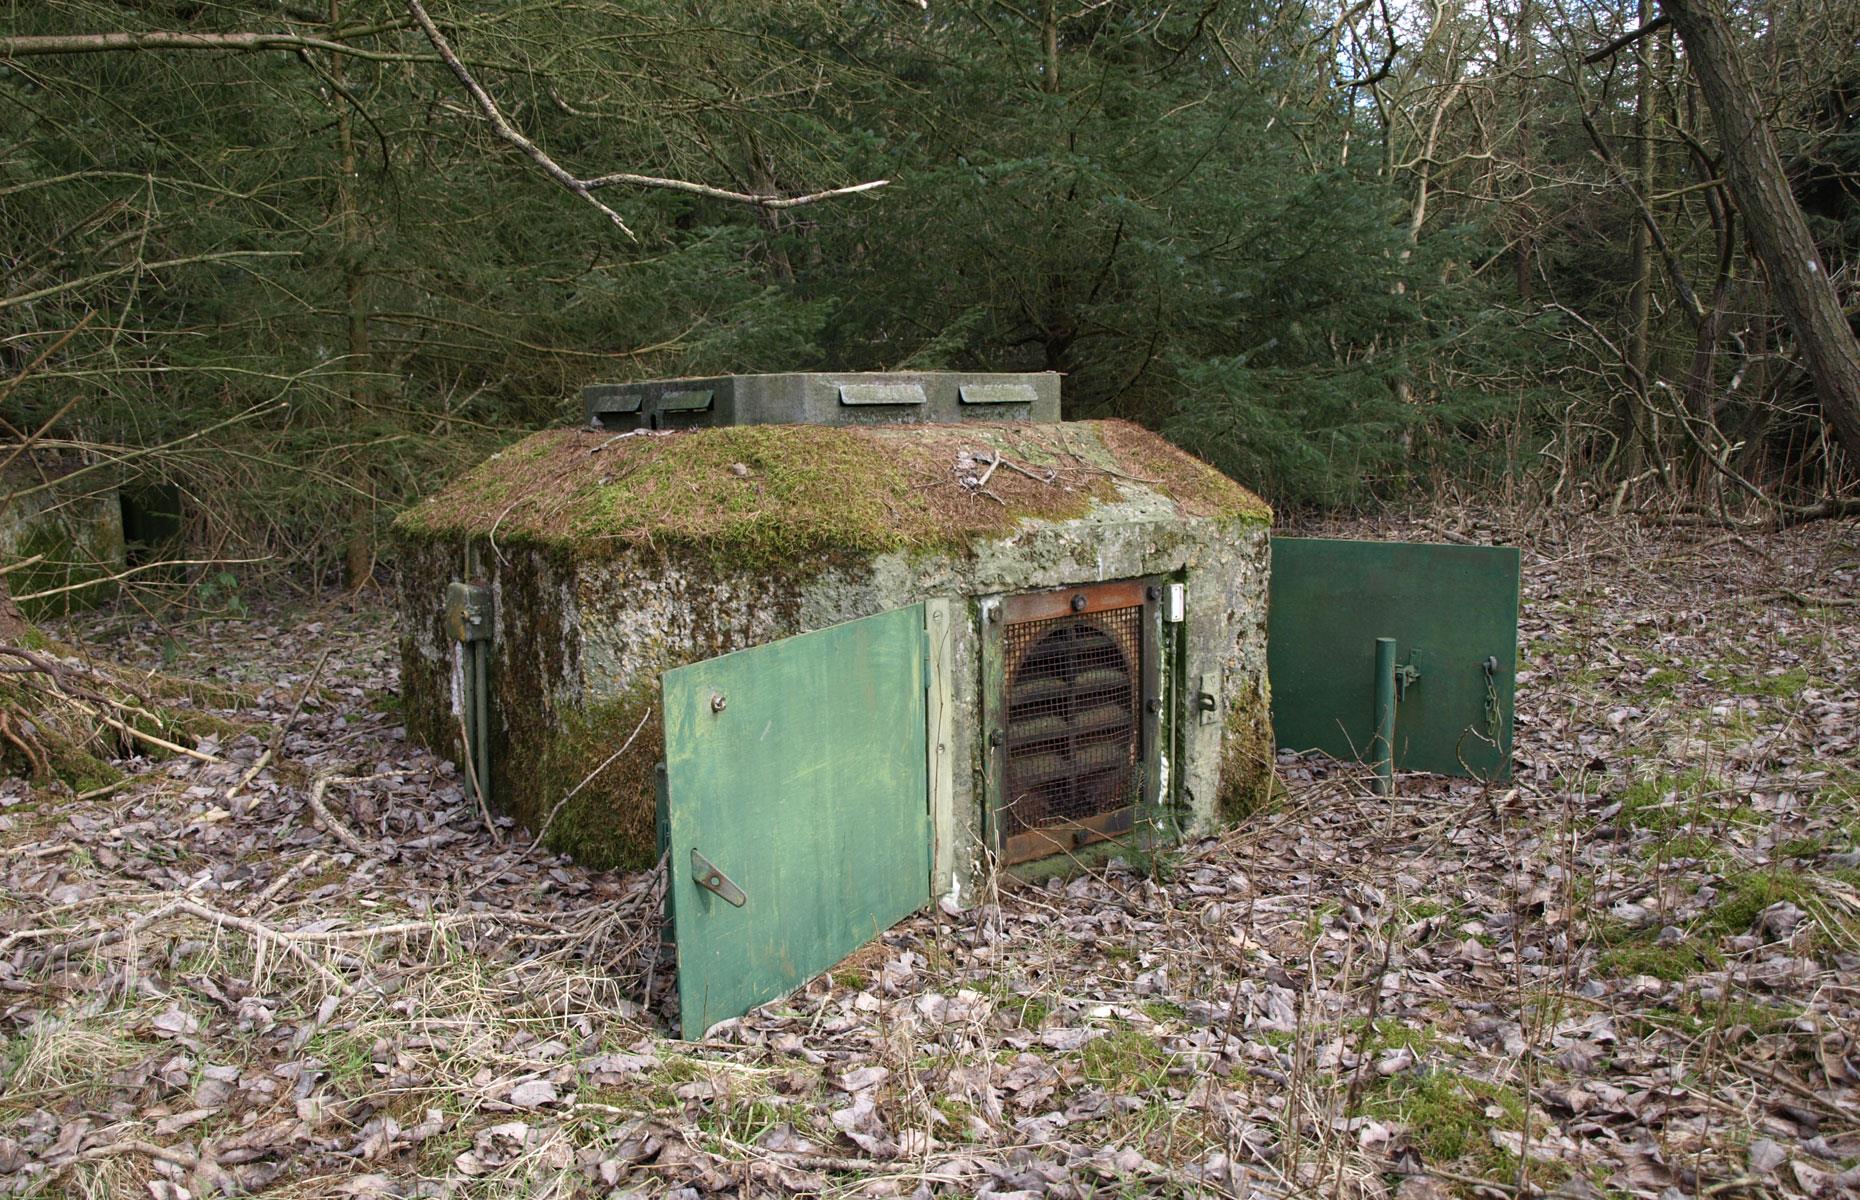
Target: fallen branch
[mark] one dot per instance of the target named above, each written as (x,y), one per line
(1015,467)
(284,878)
(266,933)
(93,941)
(167,1154)
(277,740)
(1805,599)
(151,739)
(38,763)
(328,819)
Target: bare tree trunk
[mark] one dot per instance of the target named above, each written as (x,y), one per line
(1525,71)
(1049,43)
(1634,427)
(1777,228)
(359,552)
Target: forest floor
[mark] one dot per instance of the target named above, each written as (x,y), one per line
(1632,971)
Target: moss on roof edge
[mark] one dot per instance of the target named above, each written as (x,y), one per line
(779,493)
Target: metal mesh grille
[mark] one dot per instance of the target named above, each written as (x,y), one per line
(1074,721)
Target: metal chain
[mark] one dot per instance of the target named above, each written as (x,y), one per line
(1493,714)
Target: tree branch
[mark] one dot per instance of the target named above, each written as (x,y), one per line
(97,43)
(1628,39)
(585,187)
(7,302)
(759,199)
(499,124)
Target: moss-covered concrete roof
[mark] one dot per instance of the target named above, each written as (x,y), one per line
(773,492)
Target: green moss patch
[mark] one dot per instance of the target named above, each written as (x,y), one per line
(1198,488)
(612,821)
(770,493)
(1126,1062)
(1743,895)
(1448,1115)
(1779,685)
(1249,781)
(1644,956)
(1667,803)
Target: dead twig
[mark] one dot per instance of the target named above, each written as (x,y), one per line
(167,1154)
(123,575)
(151,739)
(104,937)
(1804,599)
(476,784)
(277,739)
(284,878)
(267,934)
(328,819)
(21,564)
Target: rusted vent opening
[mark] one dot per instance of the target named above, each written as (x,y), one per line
(1073,742)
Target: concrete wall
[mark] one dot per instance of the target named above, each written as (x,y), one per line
(77,530)
(582,640)
(642,612)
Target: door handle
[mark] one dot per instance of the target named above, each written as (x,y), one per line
(705,874)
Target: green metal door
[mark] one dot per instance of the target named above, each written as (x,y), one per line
(797,800)
(1448,620)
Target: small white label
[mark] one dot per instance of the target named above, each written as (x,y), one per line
(1178,602)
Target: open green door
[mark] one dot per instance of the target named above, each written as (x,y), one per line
(797,800)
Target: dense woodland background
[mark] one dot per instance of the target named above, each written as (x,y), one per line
(1345,251)
(284,265)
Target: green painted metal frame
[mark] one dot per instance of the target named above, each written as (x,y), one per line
(802,770)
(1449,612)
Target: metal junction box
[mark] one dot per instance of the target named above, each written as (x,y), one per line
(859,398)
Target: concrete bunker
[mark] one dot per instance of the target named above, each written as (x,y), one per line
(1105,663)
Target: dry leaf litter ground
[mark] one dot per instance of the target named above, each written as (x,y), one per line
(1632,971)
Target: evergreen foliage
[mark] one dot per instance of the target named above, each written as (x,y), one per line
(1330,256)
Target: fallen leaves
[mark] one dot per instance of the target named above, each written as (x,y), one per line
(1633,968)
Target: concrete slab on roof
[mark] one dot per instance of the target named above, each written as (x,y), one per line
(824,398)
